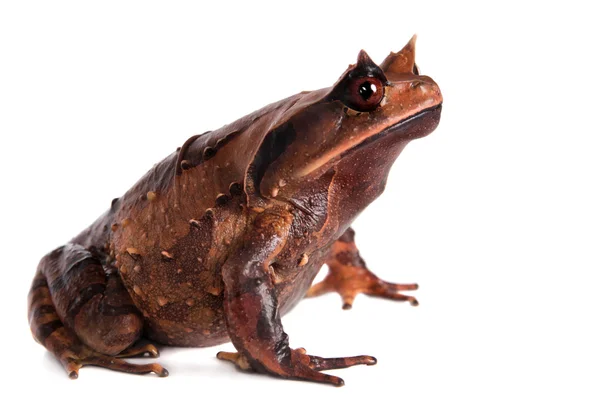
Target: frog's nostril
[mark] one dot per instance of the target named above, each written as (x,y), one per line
(416,84)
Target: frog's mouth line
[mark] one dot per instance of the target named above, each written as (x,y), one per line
(413,127)
(428,120)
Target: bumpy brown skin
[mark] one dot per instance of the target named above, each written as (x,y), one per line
(226,234)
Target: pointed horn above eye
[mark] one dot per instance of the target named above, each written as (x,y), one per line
(365,67)
(364,60)
(402,61)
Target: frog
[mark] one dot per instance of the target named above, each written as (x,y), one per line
(224,236)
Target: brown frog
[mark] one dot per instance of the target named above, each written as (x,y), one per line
(225,235)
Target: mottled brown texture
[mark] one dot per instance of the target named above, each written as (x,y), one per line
(225,235)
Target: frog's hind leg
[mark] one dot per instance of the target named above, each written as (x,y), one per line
(349,276)
(84,315)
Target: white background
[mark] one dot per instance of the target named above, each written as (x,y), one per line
(496,214)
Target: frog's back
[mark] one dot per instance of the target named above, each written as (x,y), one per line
(189,179)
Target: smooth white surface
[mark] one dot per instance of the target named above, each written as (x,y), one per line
(496,214)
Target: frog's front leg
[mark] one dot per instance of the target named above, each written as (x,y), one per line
(252,312)
(349,276)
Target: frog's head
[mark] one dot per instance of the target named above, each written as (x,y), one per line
(390,103)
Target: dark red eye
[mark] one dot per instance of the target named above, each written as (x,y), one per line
(364,93)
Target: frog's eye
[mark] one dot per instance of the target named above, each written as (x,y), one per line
(361,87)
(364,93)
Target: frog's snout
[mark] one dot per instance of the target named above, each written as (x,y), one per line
(424,87)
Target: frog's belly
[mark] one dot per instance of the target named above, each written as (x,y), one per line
(182,305)
(188,333)
(203,323)
(180,324)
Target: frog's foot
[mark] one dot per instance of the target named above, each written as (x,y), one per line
(238,359)
(349,276)
(72,362)
(304,366)
(140,349)
(349,281)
